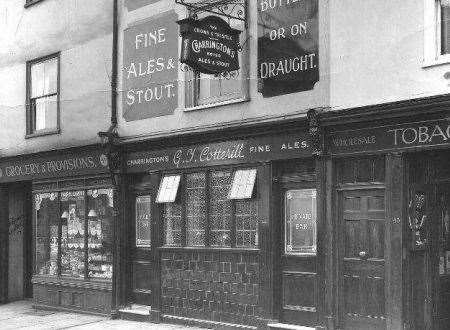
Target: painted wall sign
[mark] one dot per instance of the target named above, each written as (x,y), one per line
(288,46)
(230,152)
(209,45)
(34,167)
(393,137)
(150,68)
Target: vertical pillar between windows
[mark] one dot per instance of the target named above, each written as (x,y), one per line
(267,244)
(207,237)
(183,191)
(86,233)
(329,243)
(58,256)
(4,226)
(394,240)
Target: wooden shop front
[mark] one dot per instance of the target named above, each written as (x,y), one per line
(392,206)
(225,233)
(66,206)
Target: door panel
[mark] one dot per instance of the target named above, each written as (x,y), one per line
(442,250)
(142,256)
(362,262)
(299,275)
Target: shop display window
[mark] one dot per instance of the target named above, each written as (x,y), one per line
(300,221)
(206,215)
(47,220)
(74,233)
(100,233)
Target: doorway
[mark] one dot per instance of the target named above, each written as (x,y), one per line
(429,241)
(20,240)
(362,261)
(142,259)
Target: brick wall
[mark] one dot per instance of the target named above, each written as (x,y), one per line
(217,286)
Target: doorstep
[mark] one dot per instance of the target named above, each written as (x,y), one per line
(139,313)
(285,326)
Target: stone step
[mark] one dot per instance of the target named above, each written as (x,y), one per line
(139,313)
(285,326)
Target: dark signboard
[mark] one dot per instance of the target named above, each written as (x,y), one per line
(32,167)
(288,46)
(230,152)
(150,68)
(393,137)
(209,45)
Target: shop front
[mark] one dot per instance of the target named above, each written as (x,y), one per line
(59,229)
(226,233)
(392,212)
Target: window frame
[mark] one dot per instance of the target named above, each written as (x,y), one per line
(432,53)
(181,200)
(30,117)
(191,79)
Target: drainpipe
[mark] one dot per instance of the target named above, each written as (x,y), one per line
(109,141)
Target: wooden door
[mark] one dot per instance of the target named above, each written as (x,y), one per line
(441,255)
(362,267)
(142,255)
(299,270)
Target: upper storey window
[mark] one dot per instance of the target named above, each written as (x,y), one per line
(436,32)
(43,95)
(203,90)
(444,17)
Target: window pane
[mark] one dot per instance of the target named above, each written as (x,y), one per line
(220,208)
(44,77)
(247,223)
(72,233)
(47,220)
(445,29)
(100,233)
(172,223)
(300,221)
(37,80)
(143,221)
(50,76)
(195,208)
(45,113)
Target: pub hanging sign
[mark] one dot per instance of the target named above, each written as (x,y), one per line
(209,45)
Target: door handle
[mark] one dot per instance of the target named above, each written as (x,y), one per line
(363,255)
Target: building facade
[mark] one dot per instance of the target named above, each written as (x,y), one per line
(268,164)
(56,192)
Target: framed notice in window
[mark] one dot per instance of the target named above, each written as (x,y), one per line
(168,189)
(300,221)
(243,183)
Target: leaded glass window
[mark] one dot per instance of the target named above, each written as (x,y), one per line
(220,209)
(195,208)
(205,215)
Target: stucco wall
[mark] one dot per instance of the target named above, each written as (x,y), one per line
(81,30)
(377,53)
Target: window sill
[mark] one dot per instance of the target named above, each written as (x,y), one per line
(218,104)
(64,281)
(208,249)
(440,60)
(42,133)
(30,3)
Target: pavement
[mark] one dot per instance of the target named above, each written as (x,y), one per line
(21,315)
